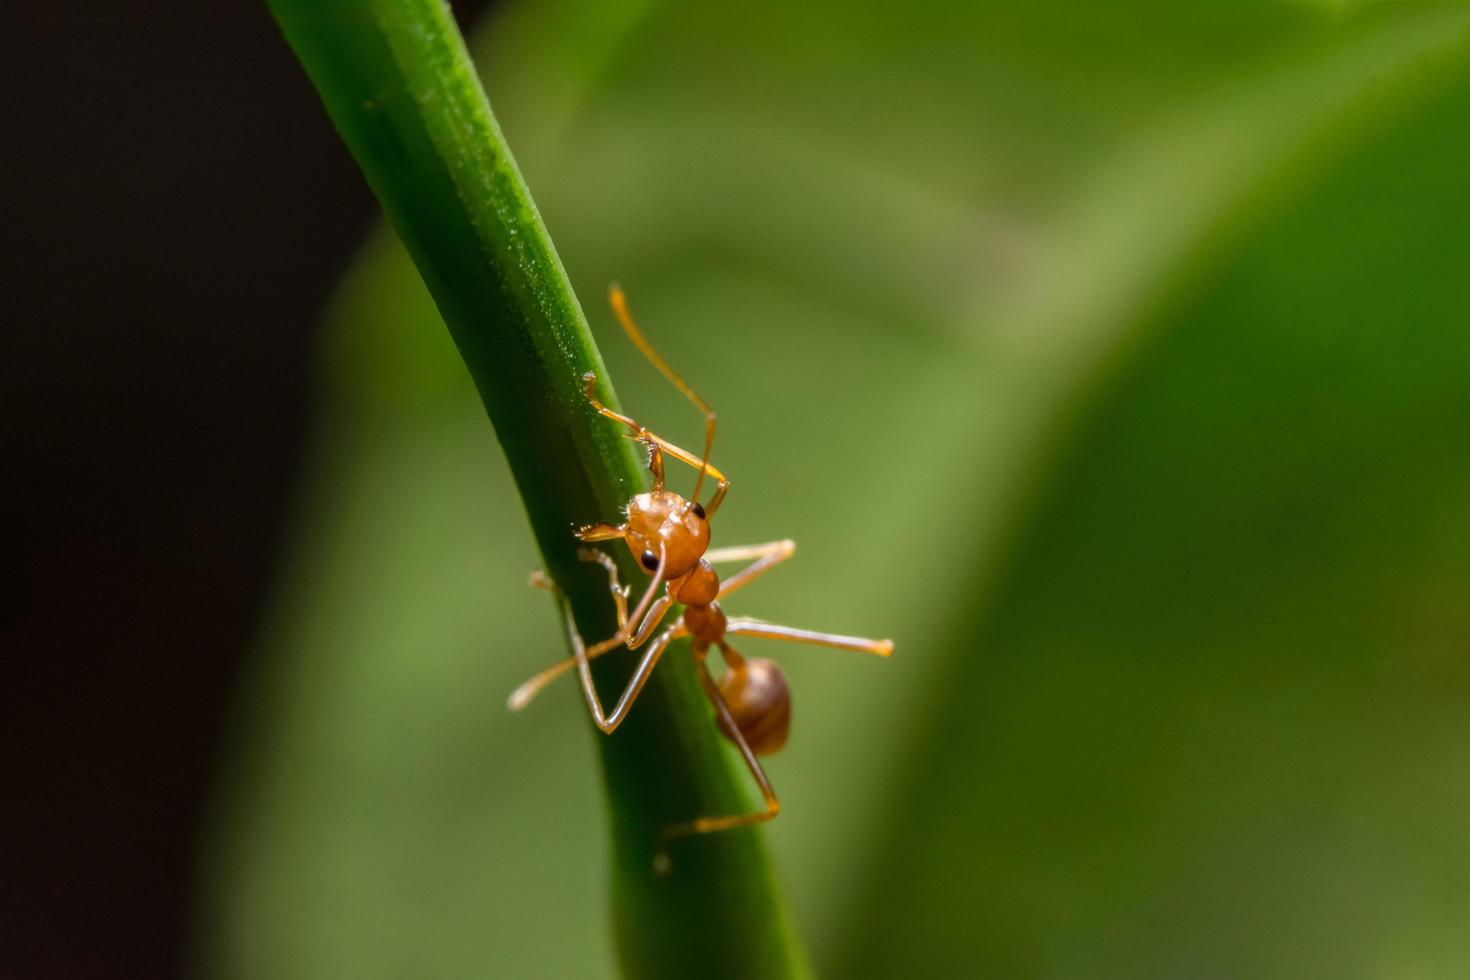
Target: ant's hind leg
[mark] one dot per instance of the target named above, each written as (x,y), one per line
(709,825)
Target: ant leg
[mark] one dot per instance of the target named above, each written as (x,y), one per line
(642,610)
(582,657)
(589,388)
(609,722)
(600,532)
(744,552)
(767,556)
(619,303)
(650,620)
(653,442)
(754,627)
(704,466)
(655,464)
(619,593)
(606,532)
(656,443)
(708,825)
(654,616)
(522,695)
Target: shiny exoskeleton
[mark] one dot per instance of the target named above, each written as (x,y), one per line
(669,536)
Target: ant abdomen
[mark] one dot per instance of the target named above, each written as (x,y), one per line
(755,692)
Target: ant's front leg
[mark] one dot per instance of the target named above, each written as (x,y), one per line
(647,618)
(657,446)
(767,556)
(638,432)
(601,532)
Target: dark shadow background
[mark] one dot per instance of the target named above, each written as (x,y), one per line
(176,208)
(1212,710)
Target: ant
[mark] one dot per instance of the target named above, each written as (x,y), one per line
(670,536)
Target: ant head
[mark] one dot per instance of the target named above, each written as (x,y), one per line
(662,522)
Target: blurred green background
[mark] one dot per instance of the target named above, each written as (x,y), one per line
(1113,360)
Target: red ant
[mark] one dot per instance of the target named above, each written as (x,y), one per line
(670,537)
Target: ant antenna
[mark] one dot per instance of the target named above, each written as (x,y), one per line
(620,308)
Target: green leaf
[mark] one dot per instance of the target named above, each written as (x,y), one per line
(920,261)
(399,86)
(1213,716)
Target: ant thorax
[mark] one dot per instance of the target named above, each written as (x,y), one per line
(699,587)
(706,624)
(662,522)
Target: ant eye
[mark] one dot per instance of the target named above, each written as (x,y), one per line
(650,560)
(698,509)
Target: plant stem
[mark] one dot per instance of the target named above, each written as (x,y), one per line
(398,84)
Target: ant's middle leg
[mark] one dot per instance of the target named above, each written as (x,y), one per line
(645,617)
(609,722)
(523,694)
(709,825)
(582,656)
(755,627)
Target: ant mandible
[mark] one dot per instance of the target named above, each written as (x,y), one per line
(670,537)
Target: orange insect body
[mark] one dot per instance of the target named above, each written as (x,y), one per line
(760,703)
(669,535)
(662,522)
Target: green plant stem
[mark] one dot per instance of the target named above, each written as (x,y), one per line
(399,86)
